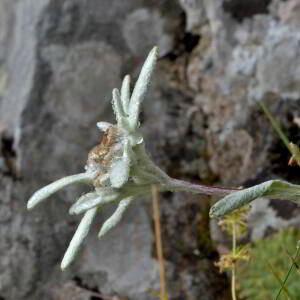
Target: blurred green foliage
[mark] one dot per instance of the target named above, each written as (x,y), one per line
(255,279)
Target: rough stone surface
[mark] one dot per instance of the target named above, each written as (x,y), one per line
(59,61)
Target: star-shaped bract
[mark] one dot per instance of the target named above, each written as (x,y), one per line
(119,167)
(113,174)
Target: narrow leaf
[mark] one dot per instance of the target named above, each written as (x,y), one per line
(78,238)
(55,186)
(274,123)
(279,280)
(119,172)
(141,87)
(116,217)
(289,271)
(125,93)
(103,126)
(117,105)
(90,200)
(294,150)
(84,198)
(273,188)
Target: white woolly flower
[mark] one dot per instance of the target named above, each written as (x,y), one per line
(119,167)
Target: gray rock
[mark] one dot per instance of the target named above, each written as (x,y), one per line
(64,60)
(59,61)
(195,14)
(149,27)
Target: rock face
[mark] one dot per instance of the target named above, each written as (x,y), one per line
(59,61)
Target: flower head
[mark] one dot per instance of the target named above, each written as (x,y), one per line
(119,167)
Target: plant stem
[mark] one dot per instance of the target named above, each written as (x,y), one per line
(294,150)
(288,273)
(156,216)
(233,266)
(275,124)
(180,185)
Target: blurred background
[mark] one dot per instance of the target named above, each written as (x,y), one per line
(60,60)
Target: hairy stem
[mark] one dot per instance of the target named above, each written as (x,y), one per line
(57,185)
(180,185)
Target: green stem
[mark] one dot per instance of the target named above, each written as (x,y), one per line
(294,150)
(275,124)
(288,274)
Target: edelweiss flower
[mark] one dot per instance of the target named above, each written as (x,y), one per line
(119,168)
